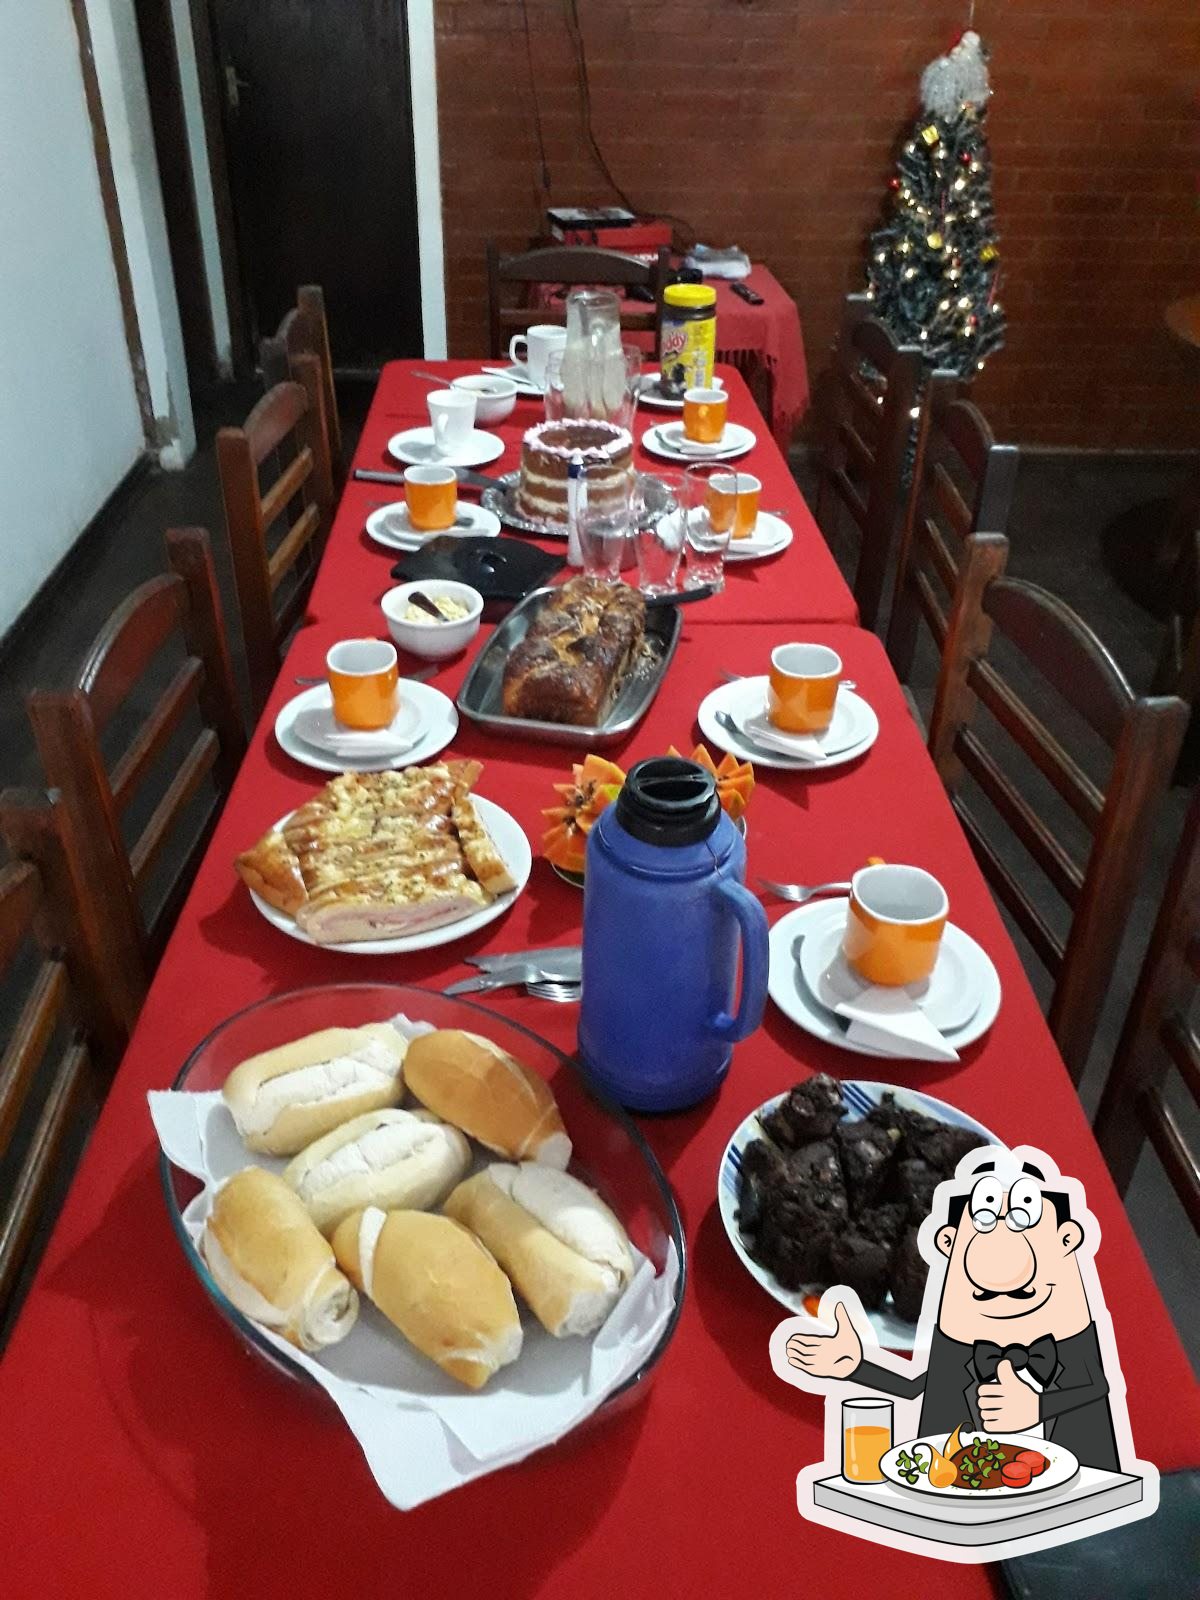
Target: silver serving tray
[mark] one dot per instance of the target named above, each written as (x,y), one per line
(500,499)
(481,696)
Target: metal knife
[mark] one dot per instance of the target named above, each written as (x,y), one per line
(369,475)
(551,953)
(514,977)
(477,480)
(683,598)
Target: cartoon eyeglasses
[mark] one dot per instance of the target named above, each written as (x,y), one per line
(1024,1205)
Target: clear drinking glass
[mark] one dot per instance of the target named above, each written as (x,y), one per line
(624,413)
(605,530)
(706,542)
(866,1438)
(553,397)
(660,543)
(616,403)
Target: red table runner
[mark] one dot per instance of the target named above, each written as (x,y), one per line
(145,1452)
(802,583)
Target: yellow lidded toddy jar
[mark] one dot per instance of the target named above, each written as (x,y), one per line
(688,345)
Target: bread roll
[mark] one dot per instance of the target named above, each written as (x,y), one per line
(469,1081)
(437,1283)
(266,1253)
(285,1098)
(396,1160)
(565,1251)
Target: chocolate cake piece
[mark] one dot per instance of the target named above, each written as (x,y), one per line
(811,1111)
(866,1152)
(816,1164)
(907,1276)
(862,1263)
(884,1223)
(914,1184)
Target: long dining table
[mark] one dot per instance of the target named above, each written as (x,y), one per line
(146,1451)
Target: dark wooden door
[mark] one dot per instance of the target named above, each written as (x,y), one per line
(318,130)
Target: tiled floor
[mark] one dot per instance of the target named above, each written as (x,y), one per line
(1061,504)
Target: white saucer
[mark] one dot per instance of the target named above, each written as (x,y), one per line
(788,988)
(949,997)
(391,526)
(513,848)
(518,372)
(648,396)
(415,447)
(437,723)
(661,439)
(771,535)
(851,733)
(317,726)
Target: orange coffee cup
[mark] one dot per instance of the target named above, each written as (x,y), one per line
(363,678)
(733,502)
(894,923)
(704,415)
(802,688)
(431,494)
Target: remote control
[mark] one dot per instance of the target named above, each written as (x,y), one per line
(750,296)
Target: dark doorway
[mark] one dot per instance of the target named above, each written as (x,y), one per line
(318,137)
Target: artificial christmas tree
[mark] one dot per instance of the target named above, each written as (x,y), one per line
(933,267)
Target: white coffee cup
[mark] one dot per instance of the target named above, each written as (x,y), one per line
(452,418)
(538,341)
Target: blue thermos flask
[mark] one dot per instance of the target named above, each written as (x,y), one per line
(665,910)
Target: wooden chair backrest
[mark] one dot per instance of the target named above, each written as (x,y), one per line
(1142,733)
(572,266)
(64,1039)
(1158,1035)
(872,392)
(964,485)
(1178,667)
(303,331)
(285,429)
(68,725)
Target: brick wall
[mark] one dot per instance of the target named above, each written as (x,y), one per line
(772,123)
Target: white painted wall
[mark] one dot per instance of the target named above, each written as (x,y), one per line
(422,65)
(69,422)
(118,58)
(206,211)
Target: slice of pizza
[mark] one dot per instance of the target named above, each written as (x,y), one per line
(271,869)
(479,848)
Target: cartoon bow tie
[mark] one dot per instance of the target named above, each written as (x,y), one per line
(1041,1357)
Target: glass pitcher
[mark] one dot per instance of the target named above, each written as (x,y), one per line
(594,378)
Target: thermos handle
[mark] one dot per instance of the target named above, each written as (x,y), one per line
(752,921)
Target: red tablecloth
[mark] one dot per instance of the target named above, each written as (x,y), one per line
(802,583)
(144,1452)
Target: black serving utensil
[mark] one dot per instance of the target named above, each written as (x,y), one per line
(684,597)
(500,569)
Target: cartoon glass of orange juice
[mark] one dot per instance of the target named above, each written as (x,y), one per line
(363,679)
(866,1439)
(733,502)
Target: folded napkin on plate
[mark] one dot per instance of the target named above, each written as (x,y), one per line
(891,1021)
(804,746)
(318,728)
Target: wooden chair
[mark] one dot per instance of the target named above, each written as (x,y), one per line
(277,529)
(1143,733)
(305,331)
(1178,667)
(1158,1035)
(872,393)
(65,1040)
(182,607)
(572,266)
(963,485)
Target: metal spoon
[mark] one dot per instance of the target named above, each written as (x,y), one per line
(740,677)
(801,893)
(425,604)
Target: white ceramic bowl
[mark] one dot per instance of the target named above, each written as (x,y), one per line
(495,396)
(433,641)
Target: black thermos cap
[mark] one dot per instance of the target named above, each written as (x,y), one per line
(669,801)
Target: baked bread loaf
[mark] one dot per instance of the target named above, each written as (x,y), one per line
(572,661)
(396,1160)
(267,1254)
(547,451)
(567,1255)
(469,1081)
(285,1098)
(438,1285)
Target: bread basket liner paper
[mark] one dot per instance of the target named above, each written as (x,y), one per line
(421,1432)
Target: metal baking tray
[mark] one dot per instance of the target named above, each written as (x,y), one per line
(481,698)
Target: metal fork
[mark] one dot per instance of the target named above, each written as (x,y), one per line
(801,893)
(555,989)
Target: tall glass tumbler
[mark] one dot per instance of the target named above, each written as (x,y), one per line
(866,1438)
(707,536)
(660,539)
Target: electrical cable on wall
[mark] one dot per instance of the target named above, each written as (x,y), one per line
(537,110)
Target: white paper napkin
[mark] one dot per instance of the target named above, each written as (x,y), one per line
(317,727)
(804,746)
(890,1020)
(422,1433)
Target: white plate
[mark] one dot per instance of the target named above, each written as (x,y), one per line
(1061,1468)
(851,733)
(513,847)
(949,997)
(771,535)
(519,373)
(392,527)
(790,992)
(891,1330)
(438,721)
(660,402)
(736,441)
(415,446)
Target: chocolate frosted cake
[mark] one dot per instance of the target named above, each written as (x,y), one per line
(546,453)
